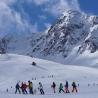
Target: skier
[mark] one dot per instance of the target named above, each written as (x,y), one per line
(40,88)
(54,87)
(61,88)
(66,87)
(74,87)
(23,88)
(30,87)
(17,88)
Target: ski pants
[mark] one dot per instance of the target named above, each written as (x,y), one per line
(17,90)
(74,89)
(61,90)
(42,92)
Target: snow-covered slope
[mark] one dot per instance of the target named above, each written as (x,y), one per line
(15,68)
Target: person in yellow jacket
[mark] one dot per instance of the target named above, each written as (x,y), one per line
(30,85)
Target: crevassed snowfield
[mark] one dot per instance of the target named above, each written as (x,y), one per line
(15,68)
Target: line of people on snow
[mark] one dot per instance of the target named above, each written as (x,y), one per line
(65,89)
(23,88)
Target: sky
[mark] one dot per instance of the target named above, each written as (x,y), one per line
(26,16)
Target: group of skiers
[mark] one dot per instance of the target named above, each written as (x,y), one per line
(23,88)
(65,89)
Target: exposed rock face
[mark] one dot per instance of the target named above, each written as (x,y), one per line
(70,30)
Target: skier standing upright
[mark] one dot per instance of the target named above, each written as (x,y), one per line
(54,87)
(66,87)
(17,88)
(74,87)
(40,88)
(23,88)
(30,85)
(61,88)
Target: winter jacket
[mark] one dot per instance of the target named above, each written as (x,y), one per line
(66,85)
(30,85)
(17,86)
(24,86)
(61,86)
(53,85)
(40,86)
(74,84)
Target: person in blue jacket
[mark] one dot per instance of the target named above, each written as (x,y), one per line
(17,88)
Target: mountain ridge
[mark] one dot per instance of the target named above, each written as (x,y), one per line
(73,30)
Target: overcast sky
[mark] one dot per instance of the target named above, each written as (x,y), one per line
(24,16)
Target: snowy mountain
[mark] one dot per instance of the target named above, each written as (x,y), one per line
(72,30)
(19,43)
(14,68)
(66,41)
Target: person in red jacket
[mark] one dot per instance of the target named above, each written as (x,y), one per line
(54,87)
(24,87)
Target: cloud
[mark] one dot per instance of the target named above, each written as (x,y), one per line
(57,7)
(42,17)
(14,21)
(11,21)
(40,2)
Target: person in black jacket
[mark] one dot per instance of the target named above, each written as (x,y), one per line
(74,87)
(54,87)
(40,88)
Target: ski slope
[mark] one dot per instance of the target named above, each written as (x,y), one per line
(14,68)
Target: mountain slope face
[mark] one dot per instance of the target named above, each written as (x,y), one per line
(19,43)
(70,36)
(72,29)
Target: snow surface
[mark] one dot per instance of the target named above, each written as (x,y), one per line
(14,68)
(85,59)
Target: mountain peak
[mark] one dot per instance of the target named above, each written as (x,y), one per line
(72,29)
(70,12)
